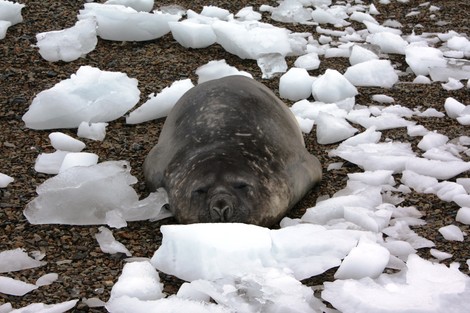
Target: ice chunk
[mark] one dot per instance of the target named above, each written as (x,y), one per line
(463,216)
(333,208)
(199,18)
(270,290)
(68,44)
(47,279)
(305,124)
(374,178)
(430,112)
(399,248)
(291,11)
(416,130)
(126,304)
(374,28)
(78,159)
(462,200)
(194,251)
(337,52)
(306,258)
(459,43)
(440,255)
(365,218)
(331,129)
(310,110)
(377,156)
(50,163)
(331,32)
(48,308)
(93,131)
(193,292)
(335,166)
(324,40)
(327,16)
(453,54)
(138,5)
(432,140)
(5,180)
(422,58)
(248,14)
(420,183)
(117,22)
(244,248)
(361,17)
(93,302)
(394,109)
(252,40)
(383,98)
(3,28)
(17,260)
(214,11)
(299,43)
(370,135)
(451,232)
(368,259)
(217,69)
(401,231)
(372,73)
(447,190)
(464,119)
(64,142)
(440,153)
(191,34)
(271,64)
(15,287)
(88,195)
(465,182)
(388,42)
(436,168)
(296,84)
(108,244)
(332,86)
(453,107)
(90,95)
(160,105)
(139,280)
(421,79)
(438,288)
(360,54)
(6,308)
(11,12)
(452,84)
(373,10)
(454,69)
(309,61)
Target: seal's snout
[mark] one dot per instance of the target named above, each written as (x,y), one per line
(221,208)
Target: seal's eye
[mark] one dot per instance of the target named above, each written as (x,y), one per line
(241,186)
(200,191)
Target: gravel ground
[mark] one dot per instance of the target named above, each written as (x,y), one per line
(72,251)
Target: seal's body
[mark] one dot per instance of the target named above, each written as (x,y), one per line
(231,151)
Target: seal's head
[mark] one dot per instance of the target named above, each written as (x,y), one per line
(216,187)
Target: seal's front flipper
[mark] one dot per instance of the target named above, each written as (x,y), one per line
(304,175)
(154,168)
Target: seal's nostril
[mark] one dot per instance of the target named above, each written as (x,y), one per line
(221,211)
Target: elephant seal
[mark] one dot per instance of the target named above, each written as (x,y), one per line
(231,151)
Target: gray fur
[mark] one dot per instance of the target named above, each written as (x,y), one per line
(231,151)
